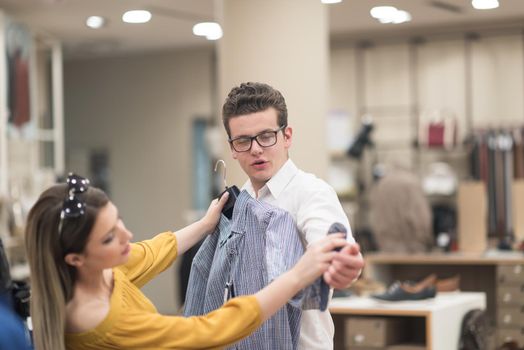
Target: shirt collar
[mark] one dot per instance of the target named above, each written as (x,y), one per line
(278,182)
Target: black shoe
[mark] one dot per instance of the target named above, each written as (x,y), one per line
(397,292)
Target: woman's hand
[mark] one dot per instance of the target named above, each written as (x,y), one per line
(191,234)
(317,258)
(212,217)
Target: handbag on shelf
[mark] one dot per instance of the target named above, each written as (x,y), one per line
(437,130)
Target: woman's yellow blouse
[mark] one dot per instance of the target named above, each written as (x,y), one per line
(134,323)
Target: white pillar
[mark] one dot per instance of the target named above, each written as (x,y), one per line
(58,106)
(283,43)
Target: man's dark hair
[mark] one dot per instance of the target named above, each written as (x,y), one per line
(251,98)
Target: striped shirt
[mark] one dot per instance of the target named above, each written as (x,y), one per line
(241,257)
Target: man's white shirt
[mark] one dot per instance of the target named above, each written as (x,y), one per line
(314,206)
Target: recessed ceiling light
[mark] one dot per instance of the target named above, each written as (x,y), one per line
(382,11)
(95,22)
(390,14)
(485,4)
(211,30)
(330,1)
(137,16)
(401,16)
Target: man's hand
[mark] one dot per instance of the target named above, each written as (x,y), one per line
(345,267)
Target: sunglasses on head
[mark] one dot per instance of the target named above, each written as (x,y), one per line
(73,207)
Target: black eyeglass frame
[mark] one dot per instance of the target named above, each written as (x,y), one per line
(73,206)
(251,138)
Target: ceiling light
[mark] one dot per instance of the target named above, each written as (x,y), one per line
(401,17)
(382,11)
(390,14)
(330,1)
(95,22)
(211,30)
(485,4)
(136,16)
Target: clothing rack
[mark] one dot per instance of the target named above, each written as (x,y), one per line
(497,158)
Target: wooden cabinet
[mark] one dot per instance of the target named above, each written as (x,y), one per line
(510,303)
(498,274)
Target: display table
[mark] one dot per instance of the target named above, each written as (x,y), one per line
(442,315)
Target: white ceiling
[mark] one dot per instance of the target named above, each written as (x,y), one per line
(171,26)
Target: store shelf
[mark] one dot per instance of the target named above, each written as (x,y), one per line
(479,272)
(456,258)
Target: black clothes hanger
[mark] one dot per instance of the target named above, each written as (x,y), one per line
(233,193)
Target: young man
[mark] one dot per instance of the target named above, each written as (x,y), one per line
(255,119)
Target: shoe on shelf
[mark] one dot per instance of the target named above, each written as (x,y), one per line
(365,287)
(510,345)
(450,284)
(403,292)
(427,281)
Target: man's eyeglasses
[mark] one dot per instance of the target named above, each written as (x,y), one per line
(73,207)
(264,139)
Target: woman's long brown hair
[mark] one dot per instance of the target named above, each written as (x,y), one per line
(52,280)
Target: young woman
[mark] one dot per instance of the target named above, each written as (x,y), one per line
(86,275)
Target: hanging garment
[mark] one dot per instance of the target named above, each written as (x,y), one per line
(518,154)
(492,188)
(483,162)
(507,151)
(499,185)
(241,257)
(18,98)
(474,158)
(499,189)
